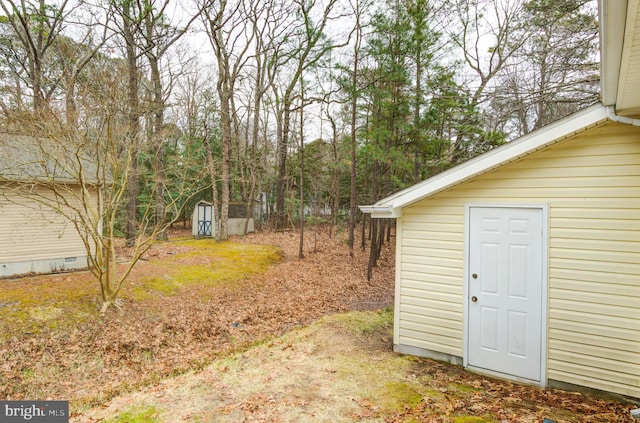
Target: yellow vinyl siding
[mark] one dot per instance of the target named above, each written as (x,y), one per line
(29,231)
(591,185)
(434,302)
(617,337)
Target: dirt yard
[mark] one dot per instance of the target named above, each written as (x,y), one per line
(230,332)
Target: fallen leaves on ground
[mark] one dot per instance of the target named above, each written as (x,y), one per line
(342,368)
(91,360)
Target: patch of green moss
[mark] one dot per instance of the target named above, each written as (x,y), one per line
(398,395)
(136,415)
(151,287)
(366,322)
(57,292)
(211,275)
(26,320)
(30,306)
(230,261)
(225,262)
(44,313)
(433,393)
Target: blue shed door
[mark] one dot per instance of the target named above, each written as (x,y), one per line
(205,219)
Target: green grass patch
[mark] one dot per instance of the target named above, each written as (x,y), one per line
(214,264)
(136,415)
(464,388)
(398,395)
(366,322)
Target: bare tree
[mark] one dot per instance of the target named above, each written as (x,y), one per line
(77,55)
(262,17)
(301,172)
(555,72)
(129,27)
(36,25)
(357,46)
(489,35)
(230,37)
(83,178)
(157,38)
(309,45)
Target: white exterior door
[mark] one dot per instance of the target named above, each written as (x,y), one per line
(505,284)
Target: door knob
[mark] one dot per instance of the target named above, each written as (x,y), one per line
(474,276)
(474,298)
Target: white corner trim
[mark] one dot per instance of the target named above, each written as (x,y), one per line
(624,98)
(613,17)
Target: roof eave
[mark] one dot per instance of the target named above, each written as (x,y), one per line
(51,181)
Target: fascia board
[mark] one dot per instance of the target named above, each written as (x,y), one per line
(392,206)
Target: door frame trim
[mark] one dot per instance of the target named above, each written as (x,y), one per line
(544,208)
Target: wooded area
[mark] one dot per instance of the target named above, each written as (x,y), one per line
(295,108)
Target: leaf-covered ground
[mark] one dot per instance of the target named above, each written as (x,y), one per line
(193,309)
(186,303)
(342,369)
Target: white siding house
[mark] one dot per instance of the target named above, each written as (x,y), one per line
(525,261)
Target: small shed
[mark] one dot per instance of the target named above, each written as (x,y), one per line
(203,220)
(525,262)
(238,219)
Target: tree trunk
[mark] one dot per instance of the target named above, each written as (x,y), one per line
(37,57)
(374,246)
(301,247)
(283,144)
(133,125)
(214,185)
(354,109)
(157,129)
(363,241)
(225,121)
(71,110)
